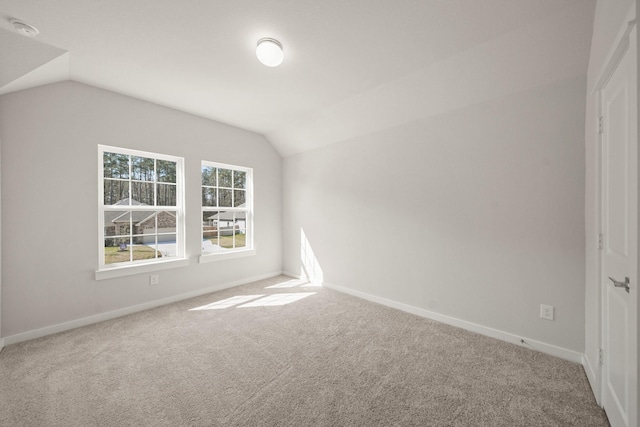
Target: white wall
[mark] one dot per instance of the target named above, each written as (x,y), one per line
(477,214)
(50,249)
(609,18)
(1,336)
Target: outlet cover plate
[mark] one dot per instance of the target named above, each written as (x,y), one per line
(546,312)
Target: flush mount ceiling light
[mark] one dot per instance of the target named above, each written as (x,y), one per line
(269,52)
(24,28)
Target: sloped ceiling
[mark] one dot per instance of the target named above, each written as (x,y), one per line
(21,55)
(351,67)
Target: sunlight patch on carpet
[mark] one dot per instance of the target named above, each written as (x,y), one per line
(288,284)
(226,303)
(277,299)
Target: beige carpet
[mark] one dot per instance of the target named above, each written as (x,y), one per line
(327,359)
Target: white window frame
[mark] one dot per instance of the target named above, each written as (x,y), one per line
(249,248)
(106,271)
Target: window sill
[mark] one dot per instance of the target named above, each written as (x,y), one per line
(130,270)
(226,256)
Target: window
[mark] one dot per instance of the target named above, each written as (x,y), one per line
(141,209)
(227,200)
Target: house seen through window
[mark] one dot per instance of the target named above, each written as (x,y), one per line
(226,208)
(141,209)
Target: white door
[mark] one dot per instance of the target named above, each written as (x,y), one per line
(620,243)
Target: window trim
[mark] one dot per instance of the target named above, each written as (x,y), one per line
(148,267)
(224,256)
(106,271)
(249,248)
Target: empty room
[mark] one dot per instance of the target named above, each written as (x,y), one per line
(337,213)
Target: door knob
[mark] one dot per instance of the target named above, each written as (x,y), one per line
(618,284)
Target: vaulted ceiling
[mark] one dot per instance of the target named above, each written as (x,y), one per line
(352,67)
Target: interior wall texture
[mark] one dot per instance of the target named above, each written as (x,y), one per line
(477,213)
(609,19)
(49,183)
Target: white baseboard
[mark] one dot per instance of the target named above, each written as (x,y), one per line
(594,379)
(61,327)
(550,349)
(470,326)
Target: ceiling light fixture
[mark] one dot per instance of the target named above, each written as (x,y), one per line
(269,52)
(24,28)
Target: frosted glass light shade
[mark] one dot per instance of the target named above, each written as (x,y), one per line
(269,52)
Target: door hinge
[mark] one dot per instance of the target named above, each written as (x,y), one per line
(600,125)
(601,357)
(600,241)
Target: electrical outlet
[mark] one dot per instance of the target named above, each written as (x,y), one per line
(546,312)
(154,279)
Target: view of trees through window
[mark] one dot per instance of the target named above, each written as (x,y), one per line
(142,212)
(140,207)
(225,186)
(148,181)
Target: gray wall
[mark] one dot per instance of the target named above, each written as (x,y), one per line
(609,18)
(49,246)
(477,214)
(1,339)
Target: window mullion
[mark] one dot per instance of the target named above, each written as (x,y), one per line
(130,245)
(129,180)
(155,247)
(233,193)
(155,183)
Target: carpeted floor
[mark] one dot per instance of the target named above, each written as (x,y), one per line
(327,359)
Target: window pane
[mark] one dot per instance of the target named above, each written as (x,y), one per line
(239,179)
(224,222)
(150,240)
(144,222)
(209,238)
(209,176)
(166,195)
(142,193)
(226,237)
(166,171)
(209,218)
(209,231)
(224,177)
(142,168)
(241,220)
(116,165)
(211,234)
(224,198)
(140,252)
(167,221)
(223,219)
(240,240)
(116,192)
(209,197)
(117,223)
(167,245)
(117,250)
(240,230)
(239,198)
